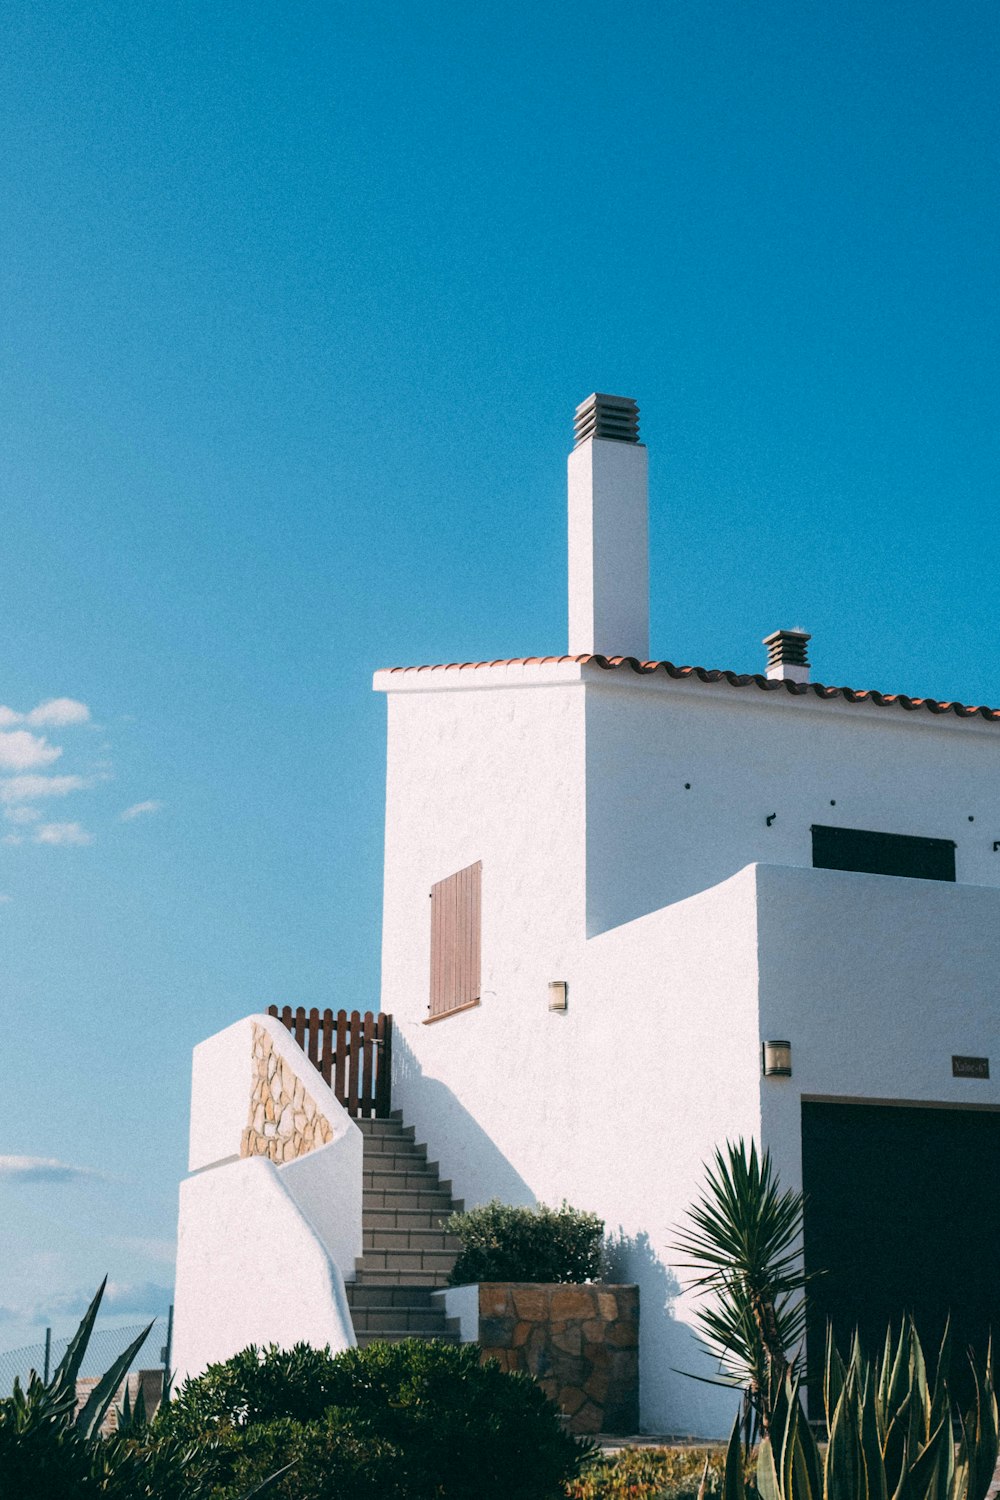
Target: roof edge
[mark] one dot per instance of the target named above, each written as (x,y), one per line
(521,667)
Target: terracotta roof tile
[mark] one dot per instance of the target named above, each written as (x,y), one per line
(733,679)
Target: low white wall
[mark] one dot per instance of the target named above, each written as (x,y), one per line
(263,1249)
(251,1269)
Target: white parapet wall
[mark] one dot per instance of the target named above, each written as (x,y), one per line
(270,1219)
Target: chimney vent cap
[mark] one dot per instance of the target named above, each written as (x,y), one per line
(611,418)
(786,654)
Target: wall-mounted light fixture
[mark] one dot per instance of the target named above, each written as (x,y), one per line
(558,989)
(777,1059)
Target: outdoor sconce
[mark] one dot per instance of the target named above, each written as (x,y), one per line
(777,1059)
(557,994)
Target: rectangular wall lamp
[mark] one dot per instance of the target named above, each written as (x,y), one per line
(777,1059)
(558,994)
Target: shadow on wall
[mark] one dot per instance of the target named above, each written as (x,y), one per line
(478,1170)
(667,1347)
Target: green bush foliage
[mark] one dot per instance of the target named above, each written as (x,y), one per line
(253,1387)
(650,1474)
(417,1420)
(502,1243)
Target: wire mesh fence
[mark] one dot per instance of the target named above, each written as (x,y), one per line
(106,1344)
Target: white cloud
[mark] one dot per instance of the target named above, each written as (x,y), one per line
(138,809)
(4,898)
(13,839)
(62,833)
(147,1298)
(22,751)
(30,788)
(59,712)
(40,1169)
(22,815)
(9,716)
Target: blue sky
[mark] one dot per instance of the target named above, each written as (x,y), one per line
(296,302)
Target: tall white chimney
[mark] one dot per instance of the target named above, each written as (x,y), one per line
(608,531)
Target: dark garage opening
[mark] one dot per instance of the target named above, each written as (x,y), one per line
(903,1215)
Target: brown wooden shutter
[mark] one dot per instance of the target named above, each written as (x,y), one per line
(455,944)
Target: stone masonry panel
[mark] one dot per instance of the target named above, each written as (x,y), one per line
(283,1121)
(581,1343)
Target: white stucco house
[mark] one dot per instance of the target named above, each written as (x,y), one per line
(640,876)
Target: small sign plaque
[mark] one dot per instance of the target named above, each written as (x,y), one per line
(970,1067)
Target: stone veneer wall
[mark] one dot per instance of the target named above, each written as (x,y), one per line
(581,1343)
(283,1122)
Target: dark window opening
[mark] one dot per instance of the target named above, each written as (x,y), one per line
(882,853)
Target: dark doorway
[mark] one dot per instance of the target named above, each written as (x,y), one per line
(902,1215)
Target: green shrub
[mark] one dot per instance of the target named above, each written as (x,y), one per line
(334,1457)
(649,1474)
(252,1387)
(502,1243)
(419,1419)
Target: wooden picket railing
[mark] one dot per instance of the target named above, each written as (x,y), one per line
(352,1051)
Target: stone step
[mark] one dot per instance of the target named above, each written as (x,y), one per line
(397,1335)
(416,1177)
(401,1218)
(388,1296)
(410,1239)
(404,1157)
(389,1129)
(407,1254)
(407,1260)
(378,1276)
(425,1320)
(408,1199)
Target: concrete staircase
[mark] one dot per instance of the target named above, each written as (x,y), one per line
(406,1253)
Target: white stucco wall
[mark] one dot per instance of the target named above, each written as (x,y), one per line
(613,1105)
(602,869)
(746,755)
(489,775)
(251,1269)
(876,982)
(608,549)
(263,1250)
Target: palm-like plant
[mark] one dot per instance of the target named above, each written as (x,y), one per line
(744,1237)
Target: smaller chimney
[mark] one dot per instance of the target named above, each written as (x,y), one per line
(786,655)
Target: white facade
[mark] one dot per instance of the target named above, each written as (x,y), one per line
(646,837)
(644,834)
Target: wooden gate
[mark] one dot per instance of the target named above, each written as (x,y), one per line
(352,1051)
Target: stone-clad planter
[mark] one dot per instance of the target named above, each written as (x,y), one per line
(581,1343)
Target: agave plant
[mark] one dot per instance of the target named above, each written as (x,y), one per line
(57,1399)
(744,1238)
(49,1449)
(889,1432)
